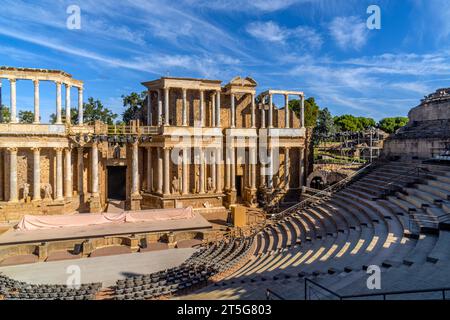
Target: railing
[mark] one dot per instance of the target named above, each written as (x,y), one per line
(121,129)
(310,283)
(324,193)
(388,184)
(272,295)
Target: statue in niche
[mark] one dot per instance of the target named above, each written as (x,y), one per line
(197,182)
(175,185)
(116,154)
(210,184)
(26,191)
(48,191)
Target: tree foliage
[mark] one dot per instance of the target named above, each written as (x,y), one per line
(134,104)
(325,125)
(92,110)
(390,125)
(26,116)
(351,123)
(311,110)
(6,115)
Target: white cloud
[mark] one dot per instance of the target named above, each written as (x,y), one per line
(271,31)
(349,32)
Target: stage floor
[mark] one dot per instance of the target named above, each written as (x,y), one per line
(101,269)
(12,237)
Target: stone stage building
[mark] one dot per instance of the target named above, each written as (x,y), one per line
(199,144)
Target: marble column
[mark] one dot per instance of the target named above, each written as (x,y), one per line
(166,171)
(253,156)
(59,174)
(80,171)
(286,111)
(202,175)
(13,97)
(202,109)
(263,117)
(160,107)
(80,106)
(185,172)
(135,169)
(228,167)
(94,169)
(68,106)
(213,110)
(166,107)
(13,191)
(184,108)
(253,116)
(68,185)
(160,171)
(58,102)
(302,112)
(149,170)
(233,169)
(218,173)
(36,174)
(36,102)
(218,124)
(270,177)
(301,168)
(213,171)
(270,111)
(287,164)
(233,111)
(149,108)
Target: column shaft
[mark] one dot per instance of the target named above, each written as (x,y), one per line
(270,178)
(166,107)
(218,124)
(68,104)
(36,102)
(94,163)
(13,191)
(185,170)
(80,171)
(228,167)
(166,171)
(149,170)
(80,106)
(213,170)
(160,171)
(302,112)
(68,186)
(270,111)
(202,108)
(253,167)
(302,168)
(202,171)
(233,111)
(135,169)
(253,119)
(58,103)
(286,168)
(59,174)
(218,173)
(184,111)
(213,110)
(233,168)
(36,174)
(287,111)
(13,101)
(160,107)
(263,117)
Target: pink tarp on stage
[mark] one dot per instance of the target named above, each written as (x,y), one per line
(80,220)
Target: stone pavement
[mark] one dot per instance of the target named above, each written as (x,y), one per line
(102,269)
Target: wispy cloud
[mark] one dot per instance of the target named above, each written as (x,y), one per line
(349,32)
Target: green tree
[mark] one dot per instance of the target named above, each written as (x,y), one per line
(6,115)
(348,122)
(134,104)
(92,110)
(325,126)
(311,110)
(390,125)
(26,116)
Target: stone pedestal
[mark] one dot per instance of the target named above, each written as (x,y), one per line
(134,203)
(230,198)
(43,252)
(94,204)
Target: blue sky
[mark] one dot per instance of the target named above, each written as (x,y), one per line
(319,46)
